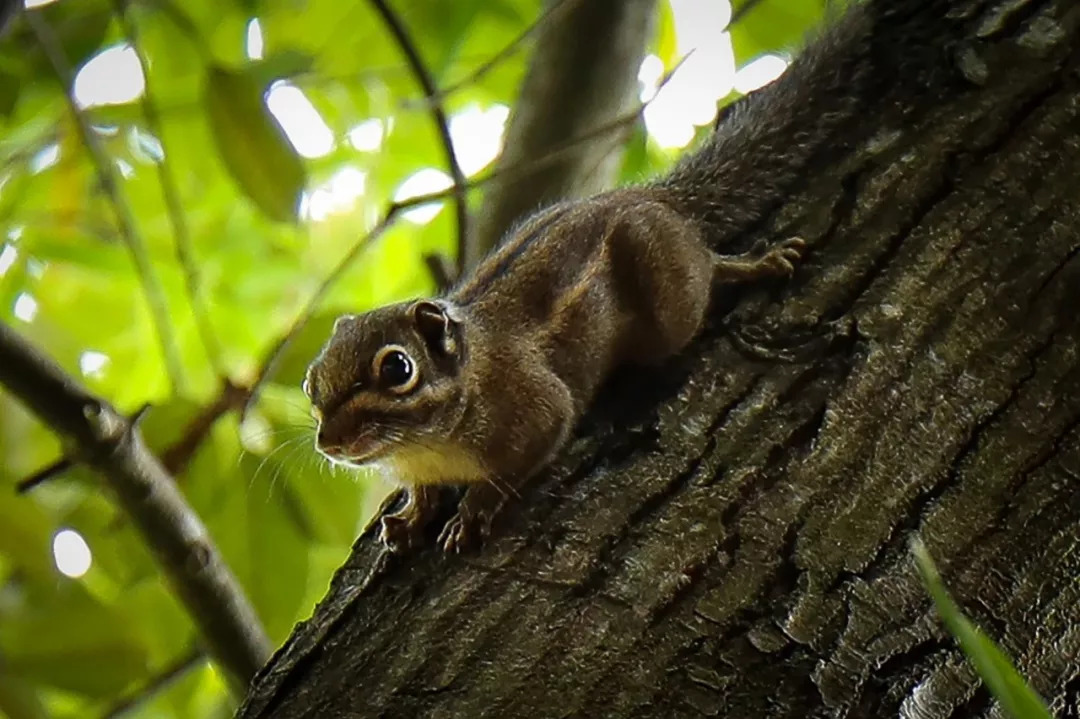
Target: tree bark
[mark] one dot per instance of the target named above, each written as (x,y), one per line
(728,535)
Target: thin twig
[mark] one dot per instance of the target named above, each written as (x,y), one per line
(64,463)
(175,457)
(442,270)
(23,151)
(438,115)
(269,365)
(556,152)
(156,684)
(171,195)
(508,50)
(184,24)
(125,221)
(44,475)
(113,446)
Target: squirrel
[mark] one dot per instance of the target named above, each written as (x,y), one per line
(482,386)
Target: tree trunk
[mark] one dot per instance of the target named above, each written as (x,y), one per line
(728,536)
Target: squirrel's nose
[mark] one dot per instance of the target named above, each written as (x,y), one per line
(328,442)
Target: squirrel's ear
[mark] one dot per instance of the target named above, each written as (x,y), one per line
(436,326)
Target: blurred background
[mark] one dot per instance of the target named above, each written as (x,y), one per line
(178,182)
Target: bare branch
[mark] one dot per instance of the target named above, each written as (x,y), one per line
(156,683)
(427,84)
(64,463)
(113,446)
(125,220)
(44,475)
(176,457)
(442,270)
(171,194)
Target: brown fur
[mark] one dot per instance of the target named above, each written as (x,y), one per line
(511,358)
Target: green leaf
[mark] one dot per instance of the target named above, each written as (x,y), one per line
(997,672)
(284,63)
(279,559)
(80,28)
(302,350)
(253,145)
(9,94)
(25,536)
(773,26)
(666,43)
(19,701)
(635,162)
(70,640)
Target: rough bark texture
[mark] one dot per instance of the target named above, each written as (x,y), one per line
(728,536)
(582,76)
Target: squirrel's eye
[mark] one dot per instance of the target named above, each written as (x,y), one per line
(395,369)
(311,390)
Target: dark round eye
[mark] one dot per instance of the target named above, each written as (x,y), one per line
(395,369)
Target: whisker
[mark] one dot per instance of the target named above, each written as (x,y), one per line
(290,402)
(299,450)
(279,431)
(291,443)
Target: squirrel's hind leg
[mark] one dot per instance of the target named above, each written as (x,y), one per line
(760,262)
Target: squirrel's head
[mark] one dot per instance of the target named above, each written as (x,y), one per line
(387,380)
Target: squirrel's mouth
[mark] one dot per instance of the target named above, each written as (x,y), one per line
(357,452)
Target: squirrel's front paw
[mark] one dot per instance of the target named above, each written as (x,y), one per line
(399,534)
(464,532)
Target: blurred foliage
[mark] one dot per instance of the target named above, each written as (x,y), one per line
(283,519)
(771,26)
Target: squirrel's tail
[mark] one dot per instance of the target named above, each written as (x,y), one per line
(768,140)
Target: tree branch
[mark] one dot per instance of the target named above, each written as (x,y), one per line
(176,457)
(442,125)
(113,446)
(44,475)
(125,221)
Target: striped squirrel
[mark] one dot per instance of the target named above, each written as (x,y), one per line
(482,386)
